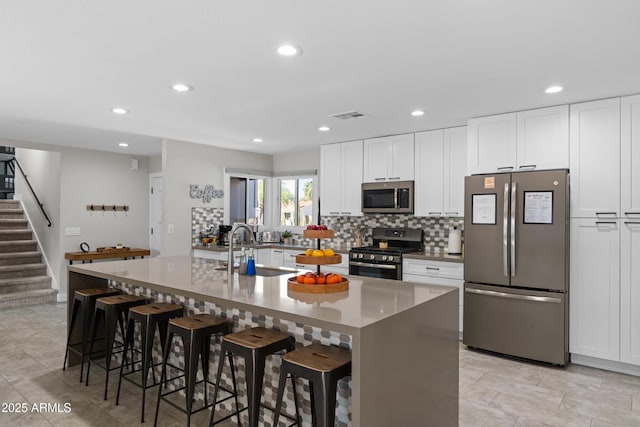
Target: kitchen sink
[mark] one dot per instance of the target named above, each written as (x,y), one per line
(266,271)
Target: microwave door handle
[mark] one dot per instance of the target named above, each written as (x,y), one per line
(505,230)
(513,229)
(395,198)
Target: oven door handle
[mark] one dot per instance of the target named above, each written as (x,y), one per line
(365,264)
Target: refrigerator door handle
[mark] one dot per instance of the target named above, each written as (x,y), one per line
(505,230)
(513,229)
(531,298)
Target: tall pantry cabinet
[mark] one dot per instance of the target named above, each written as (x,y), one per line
(605,230)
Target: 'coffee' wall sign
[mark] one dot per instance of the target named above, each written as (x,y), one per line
(205,194)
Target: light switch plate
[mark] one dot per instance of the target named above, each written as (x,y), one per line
(170,228)
(72,231)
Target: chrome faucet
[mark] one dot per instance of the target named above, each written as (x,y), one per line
(230,239)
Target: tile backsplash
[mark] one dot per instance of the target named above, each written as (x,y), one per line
(436,229)
(203,218)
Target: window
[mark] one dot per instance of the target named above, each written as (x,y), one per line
(246,200)
(296,201)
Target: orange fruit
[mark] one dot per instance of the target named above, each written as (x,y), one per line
(321,279)
(300,278)
(331,279)
(339,277)
(309,280)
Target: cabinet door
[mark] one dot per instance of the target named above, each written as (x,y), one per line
(455,169)
(595,288)
(331,181)
(400,167)
(376,158)
(351,183)
(595,158)
(492,144)
(543,138)
(630,293)
(429,171)
(630,157)
(277,257)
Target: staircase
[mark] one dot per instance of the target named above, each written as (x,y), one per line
(23,275)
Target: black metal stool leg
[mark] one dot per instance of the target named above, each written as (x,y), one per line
(223,355)
(94,332)
(128,341)
(74,315)
(163,375)
(148,331)
(282,384)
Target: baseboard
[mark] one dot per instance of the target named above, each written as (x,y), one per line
(608,365)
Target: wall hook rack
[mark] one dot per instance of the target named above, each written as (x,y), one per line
(107,208)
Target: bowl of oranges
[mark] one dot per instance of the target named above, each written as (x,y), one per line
(318,283)
(319,257)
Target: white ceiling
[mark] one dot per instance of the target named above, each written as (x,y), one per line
(65,63)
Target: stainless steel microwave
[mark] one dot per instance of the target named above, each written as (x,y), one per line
(387,197)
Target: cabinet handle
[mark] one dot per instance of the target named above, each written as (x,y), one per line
(527,167)
(346,213)
(379,179)
(632,213)
(433,268)
(334,213)
(277,251)
(606,213)
(394,177)
(605,222)
(632,222)
(435,213)
(451,213)
(505,168)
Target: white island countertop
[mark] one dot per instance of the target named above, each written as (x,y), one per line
(367,300)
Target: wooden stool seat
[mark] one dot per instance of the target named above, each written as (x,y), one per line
(119,299)
(84,302)
(196,332)
(256,337)
(318,357)
(323,366)
(155,308)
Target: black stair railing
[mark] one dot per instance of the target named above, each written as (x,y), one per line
(11,163)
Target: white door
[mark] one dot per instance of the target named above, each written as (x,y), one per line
(630,293)
(155,213)
(595,288)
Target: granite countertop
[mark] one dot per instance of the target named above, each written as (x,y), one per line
(344,249)
(367,300)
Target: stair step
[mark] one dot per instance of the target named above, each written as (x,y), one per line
(22,299)
(16,235)
(10,204)
(11,213)
(22,270)
(18,246)
(13,223)
(13,258)
(21,284)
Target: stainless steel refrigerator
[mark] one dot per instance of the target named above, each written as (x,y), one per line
(516,264)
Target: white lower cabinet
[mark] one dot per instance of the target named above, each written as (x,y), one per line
(218,255)
(290,259)
(630,292)
(436,273)
(605,289)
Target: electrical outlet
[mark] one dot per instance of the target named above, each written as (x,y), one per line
(170,229)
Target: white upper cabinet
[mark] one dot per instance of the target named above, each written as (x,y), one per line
(389,158)
(543,138)
(341,178)
(440,168)
(595,159)
(630,157)
(455,169)
(527,140)
(492,144)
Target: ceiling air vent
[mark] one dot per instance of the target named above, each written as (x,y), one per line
(348,115)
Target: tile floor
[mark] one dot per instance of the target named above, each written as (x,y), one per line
(494,391)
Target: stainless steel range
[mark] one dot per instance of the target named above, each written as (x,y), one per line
(386,263)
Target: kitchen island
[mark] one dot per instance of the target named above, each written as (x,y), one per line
(403,336)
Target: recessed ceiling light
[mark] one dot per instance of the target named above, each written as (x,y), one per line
(554,89)
(119,110)
(123,144)
(257,140)
(324,128)
(289,50)
(417,113)
(181,87)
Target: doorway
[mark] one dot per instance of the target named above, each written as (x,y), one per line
(155,213)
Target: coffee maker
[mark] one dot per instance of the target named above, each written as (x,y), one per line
(223,234)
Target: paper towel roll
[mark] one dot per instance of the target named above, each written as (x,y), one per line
(455,241)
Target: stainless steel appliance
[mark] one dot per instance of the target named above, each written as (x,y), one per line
(386,263)
(516,266)
(223,234)
(387,197)
(271,237)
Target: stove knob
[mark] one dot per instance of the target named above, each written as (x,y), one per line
(384,257)
(390,258)
(372,257)
(360,256)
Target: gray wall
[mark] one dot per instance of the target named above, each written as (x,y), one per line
(186,163)
(297,160)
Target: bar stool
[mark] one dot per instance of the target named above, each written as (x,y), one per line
(254,345)
(85,300)
(150,316)
(112,311)
(196,332)
(322,366)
